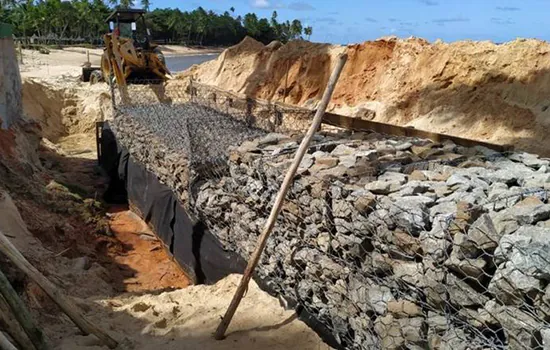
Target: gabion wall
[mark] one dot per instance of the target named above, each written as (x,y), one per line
(392,243)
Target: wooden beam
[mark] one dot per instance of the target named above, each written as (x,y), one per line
(279,200)
(21,314)
(57,295)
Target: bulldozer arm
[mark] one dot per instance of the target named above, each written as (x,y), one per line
(125,64)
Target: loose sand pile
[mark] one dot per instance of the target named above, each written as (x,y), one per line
(64,106)
(187,318)
(479,90)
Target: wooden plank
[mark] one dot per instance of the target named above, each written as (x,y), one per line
(357,124)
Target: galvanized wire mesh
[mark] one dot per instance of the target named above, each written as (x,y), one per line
(391,243)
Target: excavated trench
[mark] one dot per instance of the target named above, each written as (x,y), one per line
(383,242)
(50,184)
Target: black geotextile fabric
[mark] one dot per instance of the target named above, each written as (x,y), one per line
(196,249)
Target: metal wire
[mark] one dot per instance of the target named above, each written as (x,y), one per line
(390,242)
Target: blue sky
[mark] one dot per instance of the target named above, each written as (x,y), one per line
(350,21)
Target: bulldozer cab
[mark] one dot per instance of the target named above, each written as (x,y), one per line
(130,23)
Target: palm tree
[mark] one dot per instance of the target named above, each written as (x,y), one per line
(126,4)
(308,31)
(145,4)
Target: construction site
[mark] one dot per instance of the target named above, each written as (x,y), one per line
(391,194)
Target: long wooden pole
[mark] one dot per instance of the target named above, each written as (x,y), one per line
(63,301)
(13,328)
(262,240)
(21,313)
(5,344)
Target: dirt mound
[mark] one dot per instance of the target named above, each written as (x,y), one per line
(65,107)
(479,90)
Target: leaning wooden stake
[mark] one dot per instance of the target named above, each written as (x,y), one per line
(21,313)
(5,344)
(53,292)
(13,328)
(262,240)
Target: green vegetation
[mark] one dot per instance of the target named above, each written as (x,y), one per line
(85,20)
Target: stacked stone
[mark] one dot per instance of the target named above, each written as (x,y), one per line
(397,242)
(391,242)
(178,142)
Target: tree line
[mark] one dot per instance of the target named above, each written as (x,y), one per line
(85,19)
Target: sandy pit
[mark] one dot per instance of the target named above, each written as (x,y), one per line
(106,257)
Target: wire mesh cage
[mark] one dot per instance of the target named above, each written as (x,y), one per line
(390,242)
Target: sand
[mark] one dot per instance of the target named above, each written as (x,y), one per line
(69,61)
(124,283)
(479,90)
(187,318)
(182,318)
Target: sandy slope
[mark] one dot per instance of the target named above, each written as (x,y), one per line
(43,219)
(479,90)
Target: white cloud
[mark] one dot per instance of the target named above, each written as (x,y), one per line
(300,6)
(261,4)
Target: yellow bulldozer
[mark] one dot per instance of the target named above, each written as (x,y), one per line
(129,56)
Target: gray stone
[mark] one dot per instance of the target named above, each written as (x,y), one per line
(530,214)
(378,297)
(444,209)
(482,237)
(343,150)
(474,268)
(358,294)
(395,333)
(455,179)
(519,327)
(403,146)
(531,160)
(323,241)
(381,264)
(536,180)
(404,308)
(342,209)
(436,322)
(306,162)
(348,161)
(82,263)
(510,284)
(545,335)
(460,293)
(320,154)
(434,243)
(272,139)
(456,339)
(487,152)
(393,177)
(389,333)
(411,213)
(413,188)
(410,272)
(382,187)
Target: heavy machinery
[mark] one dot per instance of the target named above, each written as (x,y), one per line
(129,56)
